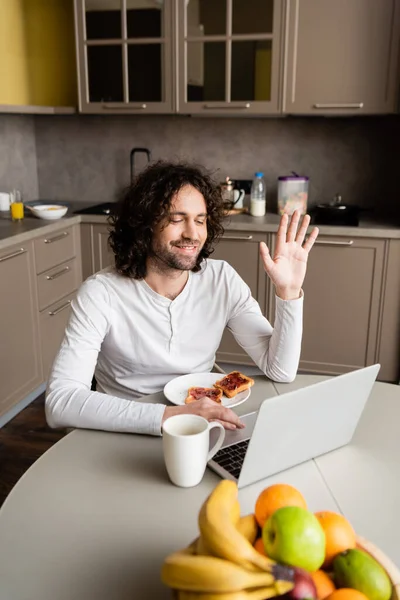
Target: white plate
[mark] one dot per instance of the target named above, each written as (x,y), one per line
(176,390)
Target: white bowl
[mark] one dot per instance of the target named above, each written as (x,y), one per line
(49,212)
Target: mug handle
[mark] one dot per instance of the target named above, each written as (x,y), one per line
(219,441)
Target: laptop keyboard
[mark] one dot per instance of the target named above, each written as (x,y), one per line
(232,457)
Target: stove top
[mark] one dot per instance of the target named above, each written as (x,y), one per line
(98,209)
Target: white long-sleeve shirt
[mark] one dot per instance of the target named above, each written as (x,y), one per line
(134,341)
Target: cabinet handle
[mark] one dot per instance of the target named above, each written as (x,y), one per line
(333,243)
(127,107)
(241,106)
(340,105)
(56,237)
(17,253)
(52,313)
(244,238)
(55,275)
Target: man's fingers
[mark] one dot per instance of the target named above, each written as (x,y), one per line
(311,239)
(266,257)
(303,229)
(281,233)
(212,411)
(291,233)
(225,424)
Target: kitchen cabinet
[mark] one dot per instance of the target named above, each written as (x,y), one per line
(389,339)
(102,254)
(20,356)
(342,57)
(342,295)
(241,250)
(58,276)
(53,322)
(96,253)
(229,56)
(238,57)
(124,53)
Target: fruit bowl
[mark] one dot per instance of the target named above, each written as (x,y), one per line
(301,555)
(385,562)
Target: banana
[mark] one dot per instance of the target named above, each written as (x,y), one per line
(223,538)
(248,527)
(209,574)
(257,594)
(263,593)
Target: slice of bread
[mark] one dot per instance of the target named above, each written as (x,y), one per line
(195,393)
(233,383)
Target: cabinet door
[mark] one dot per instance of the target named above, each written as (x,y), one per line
(102,255)
(20,359)
(342,291)
(389,342)
(241,250)
(86,249)
(53,322)
(229,56)
(342,56)
(125,56)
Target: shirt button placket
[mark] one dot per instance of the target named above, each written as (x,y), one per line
(173,326)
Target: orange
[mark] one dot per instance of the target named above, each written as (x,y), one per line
(339,534)
(259,546)
(323,583)
(347,594)
(274,497)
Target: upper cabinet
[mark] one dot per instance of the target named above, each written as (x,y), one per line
(229,56)
(125,55)
(342,57)
(238,57)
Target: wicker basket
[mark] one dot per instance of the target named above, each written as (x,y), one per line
(385,562)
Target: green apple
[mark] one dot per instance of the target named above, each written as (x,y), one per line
(294,536)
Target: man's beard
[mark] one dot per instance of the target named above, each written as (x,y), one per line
(167,258)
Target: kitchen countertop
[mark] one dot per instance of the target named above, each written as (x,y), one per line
(12,233)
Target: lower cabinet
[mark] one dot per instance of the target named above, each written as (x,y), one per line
(20,356)
(53,321)
(389,338)
(96,254)
(241,250)
(342,289)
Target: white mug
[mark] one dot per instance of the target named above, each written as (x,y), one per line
(186,441)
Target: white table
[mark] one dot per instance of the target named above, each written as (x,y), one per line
(95,516)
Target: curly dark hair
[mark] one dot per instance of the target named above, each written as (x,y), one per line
(147,201)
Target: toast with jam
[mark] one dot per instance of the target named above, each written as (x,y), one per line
(195,393)
(233,383)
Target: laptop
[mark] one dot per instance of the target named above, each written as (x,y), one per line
(295,427)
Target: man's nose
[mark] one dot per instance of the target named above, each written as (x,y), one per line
(190,230)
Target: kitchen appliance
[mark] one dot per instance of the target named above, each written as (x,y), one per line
(336,213)
(105,208)
(232,195)
(133,153)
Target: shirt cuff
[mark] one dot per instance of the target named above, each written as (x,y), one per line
(294,300)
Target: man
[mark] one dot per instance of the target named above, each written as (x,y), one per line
(161,311)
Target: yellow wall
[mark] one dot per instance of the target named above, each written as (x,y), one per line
(14,86)
(37,59)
